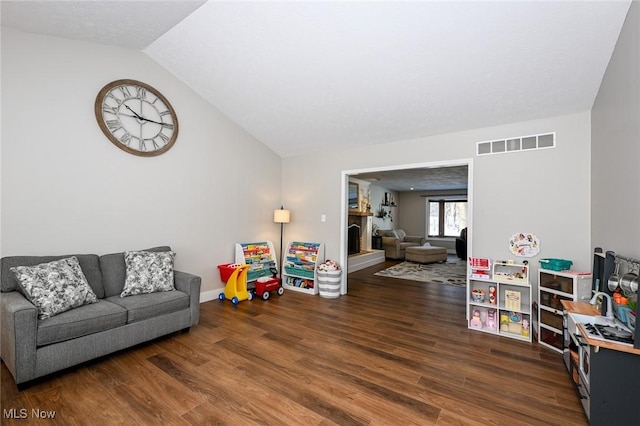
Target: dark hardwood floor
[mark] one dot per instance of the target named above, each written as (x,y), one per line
(392,352)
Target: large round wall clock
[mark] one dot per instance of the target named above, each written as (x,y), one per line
(136,118)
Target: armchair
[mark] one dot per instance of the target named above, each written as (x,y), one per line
(395,241)
(461,245)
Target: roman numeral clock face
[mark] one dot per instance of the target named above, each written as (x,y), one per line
(136,118)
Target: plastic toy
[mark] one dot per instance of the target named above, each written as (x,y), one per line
(504,321)
(477,296)
(476,322)
(525,327)
(491,319)
(264,285)
(236,288)
(492,295)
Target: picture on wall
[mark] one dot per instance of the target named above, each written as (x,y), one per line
(524,244)
(354,189)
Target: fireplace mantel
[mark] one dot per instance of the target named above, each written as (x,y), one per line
(359,213)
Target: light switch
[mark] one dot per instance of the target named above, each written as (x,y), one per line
(323,218)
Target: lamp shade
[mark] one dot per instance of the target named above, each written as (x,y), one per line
(281,216)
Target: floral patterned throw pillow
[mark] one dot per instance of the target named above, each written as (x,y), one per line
(55,287)
(148,272)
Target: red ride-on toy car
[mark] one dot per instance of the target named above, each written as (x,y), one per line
(265,285)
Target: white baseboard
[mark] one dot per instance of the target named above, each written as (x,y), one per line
(359,262)
(207,296)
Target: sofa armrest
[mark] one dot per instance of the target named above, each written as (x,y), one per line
(414,239)
(18,333)
(392,248)
(190,284)
(390,241)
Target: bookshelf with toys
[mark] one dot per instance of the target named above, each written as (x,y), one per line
(499,298)
(260,256)
(299,271)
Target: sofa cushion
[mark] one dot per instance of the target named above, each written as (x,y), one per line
(144,306)
(55,287)
(114,271)
(403,246)
(81,321)
(89,263)
(148,272)
(391,233)
(401,234)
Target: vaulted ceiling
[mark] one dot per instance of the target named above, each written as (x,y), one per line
(308,76)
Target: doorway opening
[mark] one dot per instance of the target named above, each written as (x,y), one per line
(403,174)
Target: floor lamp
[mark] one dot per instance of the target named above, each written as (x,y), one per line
(281,216)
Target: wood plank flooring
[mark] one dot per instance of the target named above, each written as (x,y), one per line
(392,352)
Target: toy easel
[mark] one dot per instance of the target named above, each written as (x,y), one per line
(236,287)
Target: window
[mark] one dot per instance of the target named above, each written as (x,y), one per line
(447,217)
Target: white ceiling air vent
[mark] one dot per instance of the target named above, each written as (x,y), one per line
(520,143)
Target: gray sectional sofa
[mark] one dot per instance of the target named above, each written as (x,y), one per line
(33,347)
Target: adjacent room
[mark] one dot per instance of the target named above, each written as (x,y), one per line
(415,202)
(371,213)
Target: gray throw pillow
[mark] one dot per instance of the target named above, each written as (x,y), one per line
(55,287)
(148,272)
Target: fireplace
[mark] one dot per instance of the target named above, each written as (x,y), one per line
(353,236)
(358,232)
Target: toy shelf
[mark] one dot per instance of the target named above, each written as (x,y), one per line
(553,288)
(499,298)
(260,256)
(511,273)
(299,266)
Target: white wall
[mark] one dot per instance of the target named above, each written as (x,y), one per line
(413,210)
(545,192)
(615,155)
(377,197)
(67,189)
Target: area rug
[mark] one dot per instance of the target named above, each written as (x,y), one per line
(452,272)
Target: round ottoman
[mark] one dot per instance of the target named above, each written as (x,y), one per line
(422,254)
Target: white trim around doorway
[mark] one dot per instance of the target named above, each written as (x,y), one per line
(343,204)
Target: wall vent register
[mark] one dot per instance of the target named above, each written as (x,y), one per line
(517,144)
